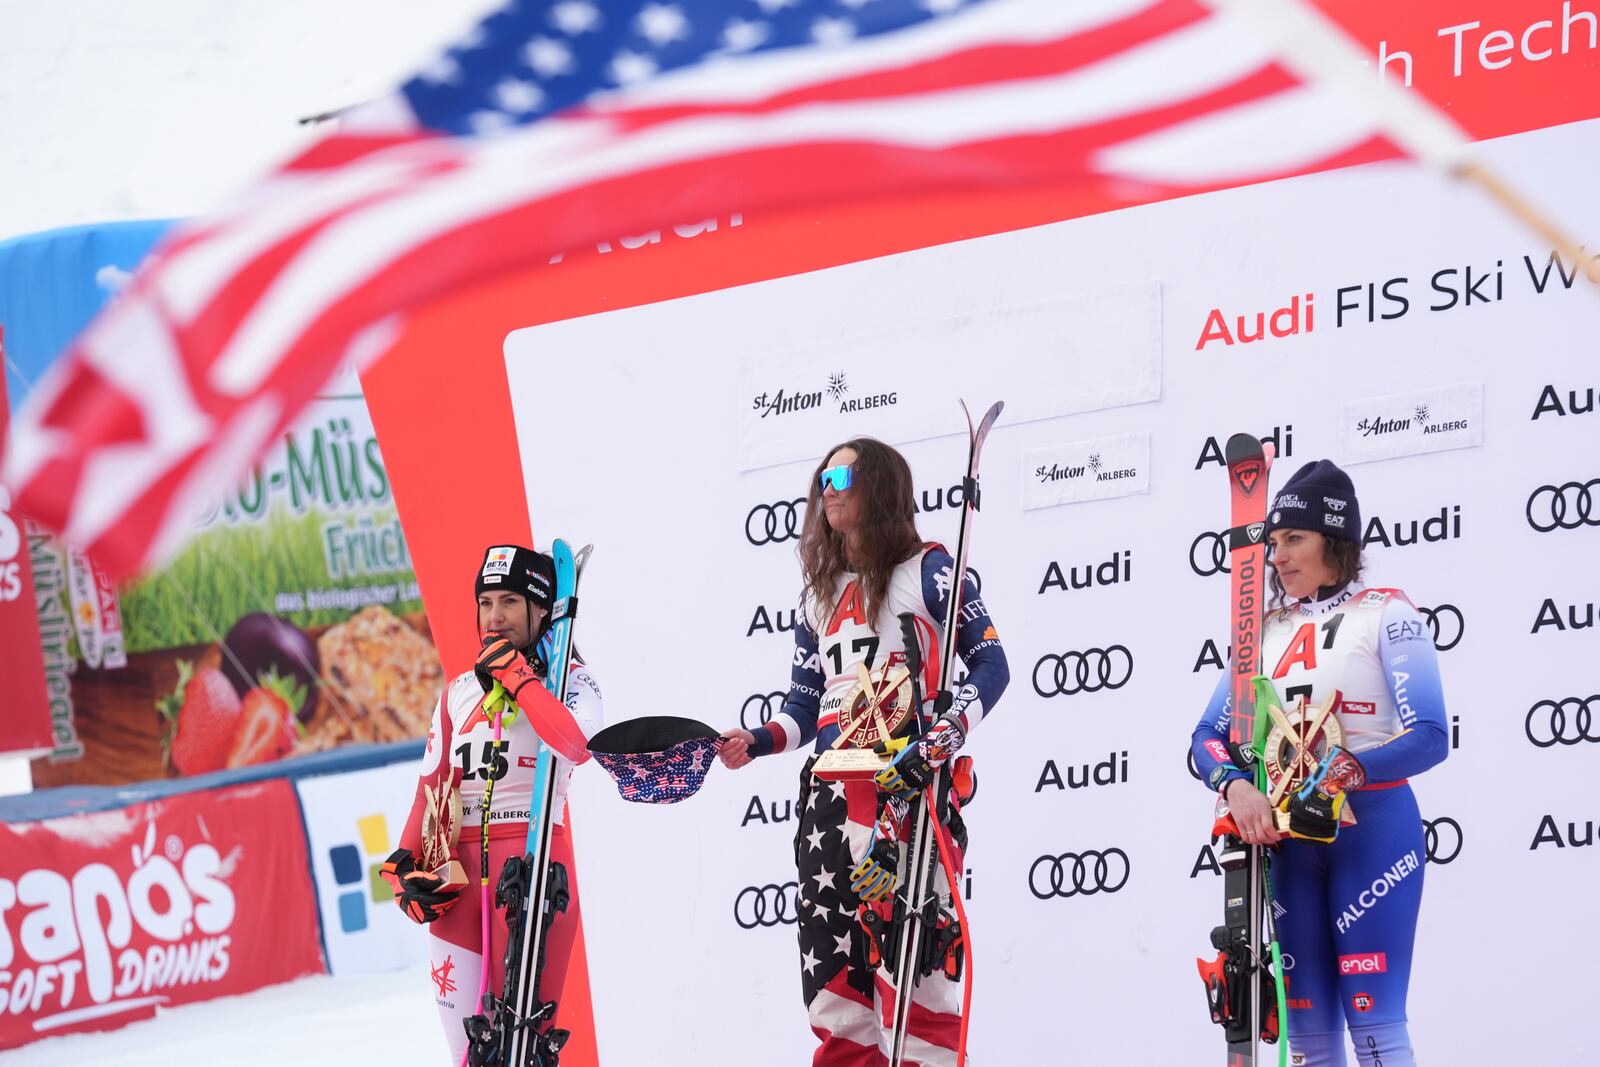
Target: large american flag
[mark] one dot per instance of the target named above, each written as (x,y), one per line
(556,123)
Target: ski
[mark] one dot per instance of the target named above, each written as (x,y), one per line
(1240,981)
(916,906)
(513,1029)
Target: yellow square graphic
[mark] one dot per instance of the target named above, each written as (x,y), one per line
(374,834)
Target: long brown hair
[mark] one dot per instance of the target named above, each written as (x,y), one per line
(886,537)
(1340,553)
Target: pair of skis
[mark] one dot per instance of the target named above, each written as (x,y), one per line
(513,1029)
(915,912)
(1241,988)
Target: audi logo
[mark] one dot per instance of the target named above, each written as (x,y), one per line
(1566,506)
(771,524)
(1088,671)
(767,905)
(1548,722)
(1446,624)
(1074,874)
(762,706)
(1441,839)
(1208,554)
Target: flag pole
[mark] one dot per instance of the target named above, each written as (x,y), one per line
(1531,217)
(1318,49)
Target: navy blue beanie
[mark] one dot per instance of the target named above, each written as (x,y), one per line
(1319,497)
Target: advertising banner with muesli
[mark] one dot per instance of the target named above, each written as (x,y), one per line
(291,623)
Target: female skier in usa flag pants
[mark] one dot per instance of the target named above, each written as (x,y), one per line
(865,565)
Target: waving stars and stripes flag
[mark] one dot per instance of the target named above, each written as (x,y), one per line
(555,123)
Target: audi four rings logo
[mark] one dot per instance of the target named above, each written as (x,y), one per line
(1566,506)
(762,706)
(1447,624)
(1088,671)
(1073,874)
(1562,722)
(1441,839)
(1208,554)
(767,905)
(771,524)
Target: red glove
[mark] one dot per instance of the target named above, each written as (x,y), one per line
(501,662)
(552,720)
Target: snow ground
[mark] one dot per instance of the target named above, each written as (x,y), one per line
(314,1021)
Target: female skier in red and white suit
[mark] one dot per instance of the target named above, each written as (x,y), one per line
(515,590)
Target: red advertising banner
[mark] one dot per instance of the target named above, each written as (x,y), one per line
(106,916)
(25,722)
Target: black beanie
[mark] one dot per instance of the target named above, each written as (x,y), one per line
(519,570)
(1319,497)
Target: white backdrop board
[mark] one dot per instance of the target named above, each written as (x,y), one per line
(637,428)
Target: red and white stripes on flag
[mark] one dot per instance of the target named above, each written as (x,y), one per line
(240,318)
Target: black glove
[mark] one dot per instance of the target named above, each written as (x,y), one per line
(420,894)
(1315,807)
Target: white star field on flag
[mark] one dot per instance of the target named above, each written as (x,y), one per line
(562,54)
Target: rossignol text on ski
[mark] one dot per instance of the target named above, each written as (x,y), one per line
(1243,992)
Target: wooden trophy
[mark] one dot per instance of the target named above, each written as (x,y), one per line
(1295,745)
(881,698)
(441,828)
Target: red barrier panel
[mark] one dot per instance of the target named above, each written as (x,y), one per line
(105,916)
(25,724)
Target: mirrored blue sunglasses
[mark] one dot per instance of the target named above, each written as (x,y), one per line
(838,477)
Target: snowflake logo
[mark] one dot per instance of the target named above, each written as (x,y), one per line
(1094,461)
(837,386)
(1422,413)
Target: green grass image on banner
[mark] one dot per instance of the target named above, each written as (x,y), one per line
(229,572)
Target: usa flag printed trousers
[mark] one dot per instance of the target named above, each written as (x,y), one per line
(849,1006)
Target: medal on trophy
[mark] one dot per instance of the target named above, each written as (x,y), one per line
(872,712)
(1296,742)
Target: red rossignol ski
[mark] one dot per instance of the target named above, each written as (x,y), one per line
(1239,982)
